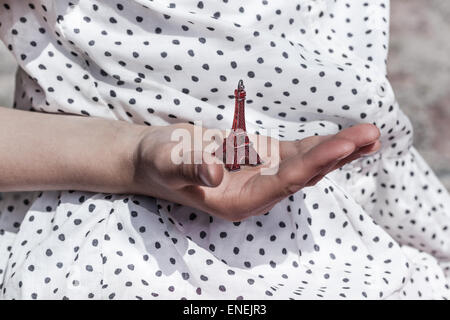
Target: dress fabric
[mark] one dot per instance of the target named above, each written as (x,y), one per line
(375,229)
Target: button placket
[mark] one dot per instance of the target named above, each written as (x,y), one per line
(382,89)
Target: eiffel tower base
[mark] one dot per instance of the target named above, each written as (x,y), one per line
(237,150)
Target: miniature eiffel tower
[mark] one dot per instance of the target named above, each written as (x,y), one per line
(237,149)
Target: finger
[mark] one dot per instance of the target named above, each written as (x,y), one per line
(365,137)
(362,134)
(295,172)
(207,172)
(369,149)
(323,173)
(292,148)
(318,158)
(364,151)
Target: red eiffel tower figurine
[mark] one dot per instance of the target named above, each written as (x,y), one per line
(237,149)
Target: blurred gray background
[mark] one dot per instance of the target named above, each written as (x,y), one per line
(7,69)
(419,70)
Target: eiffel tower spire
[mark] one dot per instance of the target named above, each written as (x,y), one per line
(237,149)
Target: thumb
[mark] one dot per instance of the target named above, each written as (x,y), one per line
(208,172)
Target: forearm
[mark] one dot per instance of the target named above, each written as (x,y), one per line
(60,152)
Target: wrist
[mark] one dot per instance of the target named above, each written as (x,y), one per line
(127,141)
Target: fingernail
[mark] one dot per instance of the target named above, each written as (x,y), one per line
(205,175)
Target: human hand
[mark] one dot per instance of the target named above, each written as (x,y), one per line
(235,196)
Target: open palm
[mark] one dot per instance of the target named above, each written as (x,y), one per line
(237,195)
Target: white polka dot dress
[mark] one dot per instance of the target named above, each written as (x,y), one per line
(378,228)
